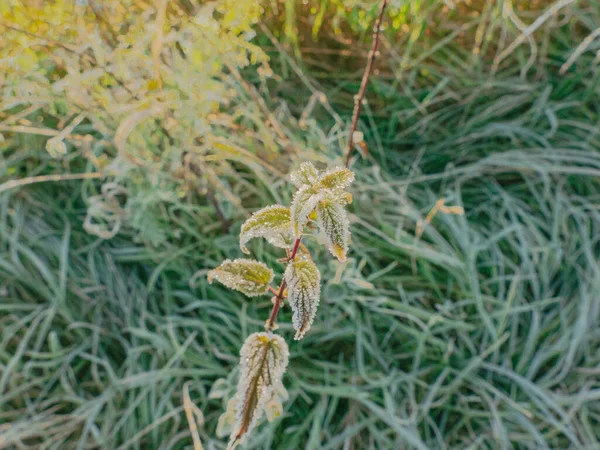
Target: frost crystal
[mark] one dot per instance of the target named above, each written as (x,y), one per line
(335,226)
(337,178)
(304,290)
(307,174)
(304,203)
(271,223)
(263,360)
(245,275)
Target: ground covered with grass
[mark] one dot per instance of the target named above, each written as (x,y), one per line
(471,324)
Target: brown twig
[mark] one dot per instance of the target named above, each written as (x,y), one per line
(278,299)
(365,81)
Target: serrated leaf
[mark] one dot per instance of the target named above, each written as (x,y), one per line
(332,220)
(304,290)
(307,174)
(337,178)
(304,203)
(271,223)
(245,275)
(263,360)
(339,196)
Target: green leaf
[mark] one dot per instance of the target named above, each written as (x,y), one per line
(307,174)
(333,221)
(304,289)
(304,203)
(337,178)
(271,223)
(245,275)
(263,360)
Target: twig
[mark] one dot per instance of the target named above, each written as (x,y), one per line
(42,178)
(279,297)
(365,81)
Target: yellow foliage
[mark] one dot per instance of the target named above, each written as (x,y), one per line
(149,76)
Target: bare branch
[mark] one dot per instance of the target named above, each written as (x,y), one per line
(365,81)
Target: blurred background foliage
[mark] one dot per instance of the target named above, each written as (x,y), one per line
(136,136)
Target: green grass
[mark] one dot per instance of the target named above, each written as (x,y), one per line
(484,332)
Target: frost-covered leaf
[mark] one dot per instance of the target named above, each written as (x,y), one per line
(332,219)
(337,178)
(228,419)
(263,360)
(272,223)
(304,289)
(274,405)
(304,203)
(339,196)
(245,275)
(307,174)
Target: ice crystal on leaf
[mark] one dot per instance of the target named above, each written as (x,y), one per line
(337,178)
(263,360)
(304,289)
(248,276)
(304,203)
(333,221)
(313,189)
(306,175)
(271,223)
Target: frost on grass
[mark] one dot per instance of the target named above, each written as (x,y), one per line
(263,360)
(271,223)
(337,178)
(304,203)
(306,175)
(304,289)
(333,221)
(248,276)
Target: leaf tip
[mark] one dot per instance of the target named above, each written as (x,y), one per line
(300,333)
(339,252)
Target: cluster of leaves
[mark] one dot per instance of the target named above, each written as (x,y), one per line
(321,198)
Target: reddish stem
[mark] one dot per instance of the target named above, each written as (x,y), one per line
(278,300)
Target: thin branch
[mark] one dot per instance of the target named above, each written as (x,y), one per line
(278,299)
(365,81)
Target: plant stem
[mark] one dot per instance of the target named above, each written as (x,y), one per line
(279,296)
(365,81)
